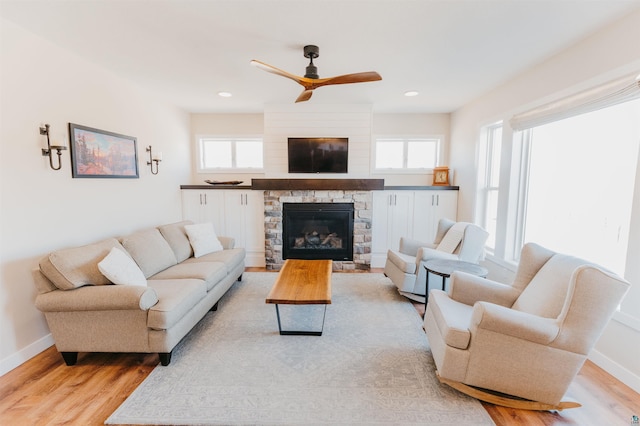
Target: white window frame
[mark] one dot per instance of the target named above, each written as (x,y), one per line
(200,139)
(486,169)
(406,138)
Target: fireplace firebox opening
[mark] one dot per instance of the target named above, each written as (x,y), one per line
(317,231)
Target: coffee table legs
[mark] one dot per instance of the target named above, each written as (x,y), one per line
(300,332)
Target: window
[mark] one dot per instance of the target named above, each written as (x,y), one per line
(406,153)
(490,151)
(579,187)
(226,154)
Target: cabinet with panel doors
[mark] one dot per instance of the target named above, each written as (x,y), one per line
(408,213)
(236,213)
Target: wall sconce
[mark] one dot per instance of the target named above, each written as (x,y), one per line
(46,152)
(153,159)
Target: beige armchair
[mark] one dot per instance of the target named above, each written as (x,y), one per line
(526,340)
(454,240)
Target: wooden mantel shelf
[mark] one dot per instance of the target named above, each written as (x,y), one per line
(318,184)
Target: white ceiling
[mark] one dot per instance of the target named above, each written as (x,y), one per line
(187,51)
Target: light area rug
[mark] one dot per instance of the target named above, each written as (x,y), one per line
(372,365)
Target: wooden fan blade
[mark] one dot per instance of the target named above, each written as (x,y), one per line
(278,71)
(304,96)
(360,77)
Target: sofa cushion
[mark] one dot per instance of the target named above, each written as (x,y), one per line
(203,239)
(404,262)
(151,252)
(231,258)
(452,319)
(547,291)
(74,267)
(210,272)
(175,299)
(177,238)
(120,268)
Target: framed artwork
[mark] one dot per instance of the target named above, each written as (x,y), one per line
(100,154)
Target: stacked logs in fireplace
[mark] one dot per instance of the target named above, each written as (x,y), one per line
(317,231)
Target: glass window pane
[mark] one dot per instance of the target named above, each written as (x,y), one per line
(496,147)
(216,153)
(249,154)
(572,206)
(389,154)
(491,217)
(422,154)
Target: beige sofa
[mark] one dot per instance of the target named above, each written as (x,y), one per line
(86,312)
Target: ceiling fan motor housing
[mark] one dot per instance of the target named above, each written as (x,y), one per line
(311,52)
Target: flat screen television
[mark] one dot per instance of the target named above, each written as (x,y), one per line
(318,155)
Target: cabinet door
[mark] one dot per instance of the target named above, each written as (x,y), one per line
(244,218)
(400,221)
(446,207)
(429,208)
(392,219)
(204,206)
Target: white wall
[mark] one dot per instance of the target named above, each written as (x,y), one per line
(354,121)
(603,56)
(41,209)
(223,125)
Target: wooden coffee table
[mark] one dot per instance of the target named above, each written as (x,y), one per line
(302,282)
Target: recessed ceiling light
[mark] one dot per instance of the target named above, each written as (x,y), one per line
(224,94)
(411,93)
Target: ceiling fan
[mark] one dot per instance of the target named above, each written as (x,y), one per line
(311,80)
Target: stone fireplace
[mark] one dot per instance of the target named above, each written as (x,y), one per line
(315,237)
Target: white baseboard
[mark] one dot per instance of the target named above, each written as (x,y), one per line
(25,354)
(616,370)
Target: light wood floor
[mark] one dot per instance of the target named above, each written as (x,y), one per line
(44,391)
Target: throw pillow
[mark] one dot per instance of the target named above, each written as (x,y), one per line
(203,239)
(119,268)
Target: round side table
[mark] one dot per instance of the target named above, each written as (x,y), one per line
(445,267)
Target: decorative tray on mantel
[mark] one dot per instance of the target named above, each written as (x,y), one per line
(227,182)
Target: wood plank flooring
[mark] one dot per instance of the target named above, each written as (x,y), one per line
(44,391)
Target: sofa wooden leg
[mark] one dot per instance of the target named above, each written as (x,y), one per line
(70,358)
(240,277)
(165,358)
(214,307)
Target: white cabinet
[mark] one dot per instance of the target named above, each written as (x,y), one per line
(407,213)
(429,208)
(244,221)
(392,219)
(204,206)
(234,213)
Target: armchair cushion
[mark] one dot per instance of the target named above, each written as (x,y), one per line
(469,289)
(452,319)
(521,325)
(404,262)
(546,292)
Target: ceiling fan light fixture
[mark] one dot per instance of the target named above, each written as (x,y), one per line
(411,93)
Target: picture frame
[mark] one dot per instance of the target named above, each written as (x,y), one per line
(99,153)
(440,176)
